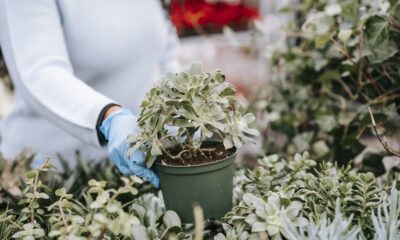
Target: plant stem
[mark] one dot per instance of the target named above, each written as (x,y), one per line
(383,143)
(35,183)
(62,214)
(179,155)
(114,197)
(34,192)
(347,89)
(15,224)
(343,51)
(360,63)
(103,231)
(202,153)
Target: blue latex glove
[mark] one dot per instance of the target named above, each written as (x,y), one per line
(116,128)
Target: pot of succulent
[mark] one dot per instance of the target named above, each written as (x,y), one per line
(191,125)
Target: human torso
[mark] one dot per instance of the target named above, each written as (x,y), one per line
(116,48)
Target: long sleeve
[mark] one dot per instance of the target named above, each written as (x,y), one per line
(33,44)
(170,58)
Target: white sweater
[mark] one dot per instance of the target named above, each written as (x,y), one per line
(70,58)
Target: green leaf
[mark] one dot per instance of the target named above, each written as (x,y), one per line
(377,40)
(113,207)
(228,143)
(259,227)
(248,118)
(345,118)
(43,196)
(155,149)
(320,148)
(61,192)
(95,190)
(333,9)
(324,24)
(139,232)
(350,11)
(219,236)
(329,75)
(326,122)
(344,35)
(322,40)
(171,219)
(31,174)
(182,123)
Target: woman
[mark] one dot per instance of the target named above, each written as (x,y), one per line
(80,70)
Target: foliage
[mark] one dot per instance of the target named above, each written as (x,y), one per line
(386,224)
(278,199)
(299,197)
(338,228)
(386,221)
(190,102)
(74,180)
(264,214)
(101,213)
(340,58)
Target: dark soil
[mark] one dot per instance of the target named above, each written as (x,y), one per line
(204,155)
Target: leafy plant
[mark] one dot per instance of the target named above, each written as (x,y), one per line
(11,173)
(29,231)
(340,228)
(193,103)
(74,180)
(386,221)
(34,192)
(98,214)
(278,199)
(299,191)
(274,173)
(8,224)
(340,58)
(264,214)
(386,224)
(236,233)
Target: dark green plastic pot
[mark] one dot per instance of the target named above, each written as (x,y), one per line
(208,185)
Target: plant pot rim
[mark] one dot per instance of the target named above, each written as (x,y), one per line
(203,164)
(198,168)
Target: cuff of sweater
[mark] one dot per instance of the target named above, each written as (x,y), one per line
(101,137)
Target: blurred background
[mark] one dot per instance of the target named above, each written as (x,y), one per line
(227,35)
(221,34)
(301,67)
(202,27)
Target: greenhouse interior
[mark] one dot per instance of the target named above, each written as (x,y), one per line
(200,119)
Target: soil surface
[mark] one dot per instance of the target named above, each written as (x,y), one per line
(204,155)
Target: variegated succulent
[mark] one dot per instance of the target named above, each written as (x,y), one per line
(264,214)
(187,108)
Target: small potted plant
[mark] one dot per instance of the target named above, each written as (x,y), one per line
(194,160)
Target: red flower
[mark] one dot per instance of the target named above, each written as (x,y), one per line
(191,14)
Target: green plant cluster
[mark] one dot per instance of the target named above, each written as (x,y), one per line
(340,58)
(299,199)
(187,108)
(99,213)
(279,199)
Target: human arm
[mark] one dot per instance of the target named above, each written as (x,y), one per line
(33,45)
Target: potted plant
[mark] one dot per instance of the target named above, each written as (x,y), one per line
(194,159)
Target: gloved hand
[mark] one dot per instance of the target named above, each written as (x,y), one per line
(116,128)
